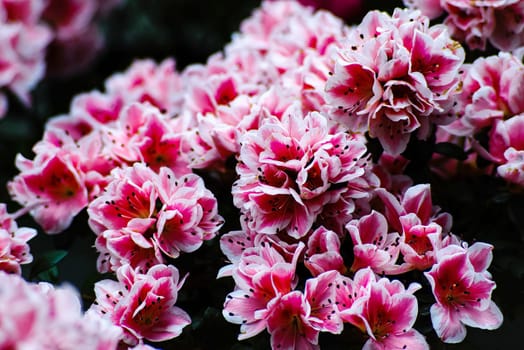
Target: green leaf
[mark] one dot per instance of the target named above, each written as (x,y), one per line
(450,150)
(45,267)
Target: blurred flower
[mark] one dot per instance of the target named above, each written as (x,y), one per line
(39,316)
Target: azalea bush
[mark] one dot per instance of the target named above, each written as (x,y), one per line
(323,175)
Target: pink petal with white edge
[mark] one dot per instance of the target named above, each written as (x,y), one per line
(480,254)
(403,310)
(288,324)
(320,293)
(447,324)
(490,318)
(351,86)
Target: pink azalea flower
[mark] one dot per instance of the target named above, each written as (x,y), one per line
(289,324)
(23,41)
(513,169)
(142,134)
(143,214)
(290,168)
(395,78)
(52,187)
(320,293)
(262,275)
(189,216)
(423,228)
(347,291)
(420,243)
(462,288)
(14,250)
(476,23)
(430,8)
(387,312)
(143,305)
(373,245)
(233,243)
(490,92)
(220,109)
(259,27)
(323,252)
(95,108)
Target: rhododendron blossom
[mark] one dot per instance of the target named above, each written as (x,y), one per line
(491,91)
(323,252)
(290,168)
(423,228)
(35,33)
(506,146)
(374,246)
(53,187)
(395,77)
(143,305)
(261,275)
(491,102)
(23,40)
(386,312)
(462,287)
(143,215)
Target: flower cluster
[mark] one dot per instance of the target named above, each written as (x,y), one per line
(290,169)
(392,235)
(64,30)
(143,214)
(39,316)
(476,22)
(75,157)
(490,107)
(395,76)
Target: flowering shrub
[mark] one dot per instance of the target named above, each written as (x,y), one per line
(287,166)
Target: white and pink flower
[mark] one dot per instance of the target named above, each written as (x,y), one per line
(462,287)
(144,216)
(142,305)
(290,168)
(477,22)
(386,311)
(52,187)
(395,77)
(261,275)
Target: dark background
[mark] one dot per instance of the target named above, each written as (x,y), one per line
(483,208)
